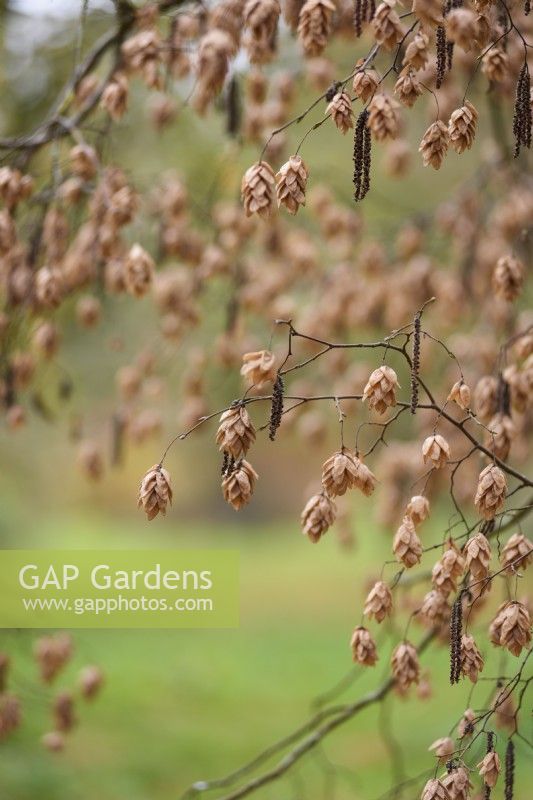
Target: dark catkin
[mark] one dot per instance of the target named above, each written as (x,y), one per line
(362,156)
(233,108)
(449,56)
(225,460)
(522,118)
(228,464)
(332,91)
(415,364)
(358,11)
(509,770)
(442,55)
(364,11)
(503,396)
(456,631)
(276,409)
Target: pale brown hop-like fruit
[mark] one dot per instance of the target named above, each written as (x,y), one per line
(477,554)
(49,287)
(239,483)
(365,480)
(417,53)
(495,64)
(91,680)
(405,665)
(257,190)
(471,659)
(339,473)
(407,88)
(460,394)
(365,83)
(138,271)
(340,111)
(436,451)
(388,29)
(378,603)
(406,545)
(52,653)
(435,790)
(155,492)
(291,182)
(435,610)
(114,97)
(314,25)
(10,714)
(443,748)
(511,627)
(363,647)
(508,278)
(462,127)
(434,145)
(90,460)
(486,397)
(491,491)
(429,12)
(380,389)
(318,515)
(461,27)
(516,554)
(236,432)
(499,437)
(383,119)
(259,368)
(458,784)
(489,768)
(64,712)
(417,508)
(54,741)
(261,23)
(448,569)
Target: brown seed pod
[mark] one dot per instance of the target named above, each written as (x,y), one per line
(405,665)
(291,182)
(236,432)
(259,368)
(489,768)
(511,627)
(239,483)
(341,112)
(378,603)
(314,25)
(491,491)
(257,190)
(471,659)
(155,492)
(318,516)
(380,389)
(363,647)
(436,451)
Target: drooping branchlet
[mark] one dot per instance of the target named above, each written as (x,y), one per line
(276,409)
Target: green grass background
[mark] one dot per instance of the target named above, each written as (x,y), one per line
(182,706)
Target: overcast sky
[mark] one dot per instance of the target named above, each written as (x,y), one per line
(56,8)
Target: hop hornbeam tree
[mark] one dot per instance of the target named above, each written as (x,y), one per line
(429,414)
